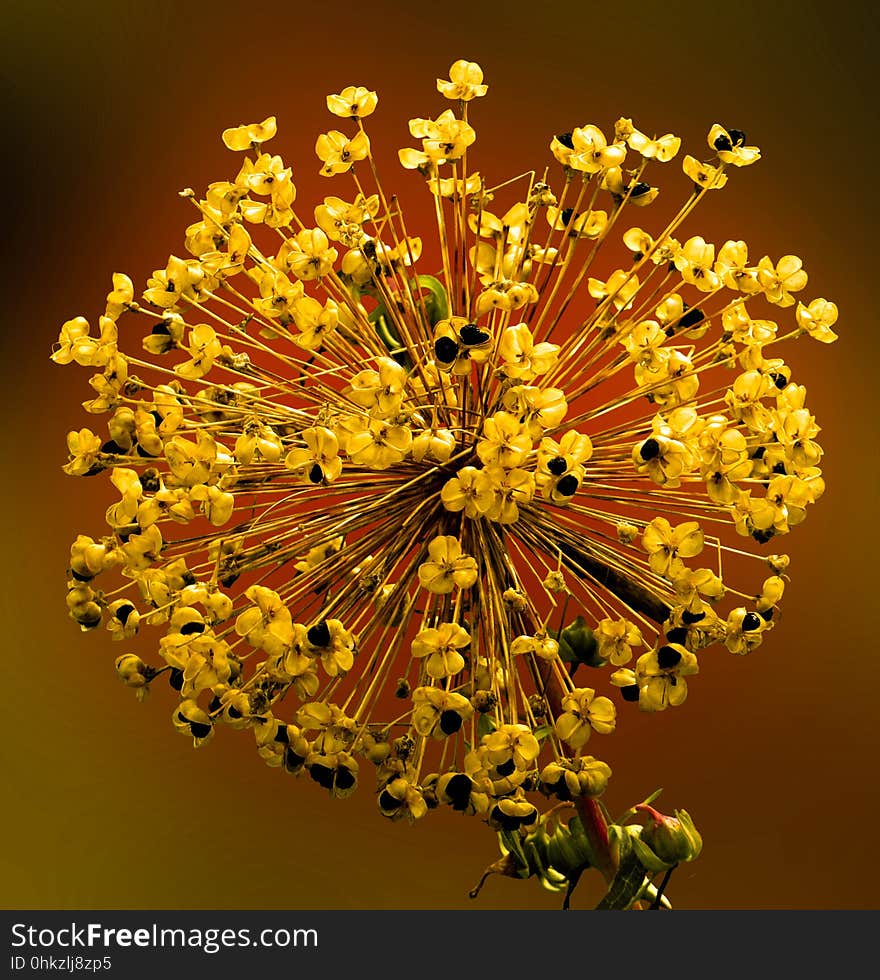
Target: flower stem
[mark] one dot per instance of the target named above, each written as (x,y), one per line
(595,825)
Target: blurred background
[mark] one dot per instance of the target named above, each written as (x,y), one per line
(110,109)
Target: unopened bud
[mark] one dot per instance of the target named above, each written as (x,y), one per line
(132,671)
(672,839)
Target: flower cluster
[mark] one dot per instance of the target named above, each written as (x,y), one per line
(358,501)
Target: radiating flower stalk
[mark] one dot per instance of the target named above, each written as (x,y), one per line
(428,522)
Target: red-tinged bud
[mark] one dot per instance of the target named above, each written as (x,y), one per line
(672,839)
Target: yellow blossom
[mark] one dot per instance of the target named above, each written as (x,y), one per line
(440,647)
(667,546)
(582,714)
(465,82)
(353,102)
(447,567)
(250,134)
(338,153)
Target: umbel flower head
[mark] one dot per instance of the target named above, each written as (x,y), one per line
(361,474)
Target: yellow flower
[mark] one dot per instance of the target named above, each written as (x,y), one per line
(513,813)
(379,391)
(264,175)
(449,187)
(133,672)
(189,719)
(342,222)
(268,625)
(510,487)
(784,505)
(523,358)
(257,441)
(447,567)
(540,645)
(660,676)
(731,266)
(643,341)
(591,151)
(378,445)
(444,138)
(621,286)
(204,348)
(458,790)
(458,343)
(319,461)
(817,319)
(731,148)
(436,444)
(568,779)
(121,297)
(439,647)
(570,452)
(308,254)
(89,558)
(616,638)
(670,379)
(329,640)
(338,153)
(84,448)
(703,175)
(465,82)
(278,296)
(582,714)
(250,134)
(783,279)
(511,744)
(662,148)
(562,147)
(438,713)
(75,344)
(664,460)
(632,191)
(504,442)
(316,323)
(181,278)
(744,631)
(141,550)
(470,490)
(695,264)
(667,546)
(588,224)
(401,799)
(353,102)
(744,330)
(538,408)
(335,771)
(561,465)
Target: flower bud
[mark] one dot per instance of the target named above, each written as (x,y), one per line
(132,671)
(626,532)
(555,582)
(778,563)
(82,605)
(378,752)
(672,839)
(484,701)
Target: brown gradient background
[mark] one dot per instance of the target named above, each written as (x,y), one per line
(111,109)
